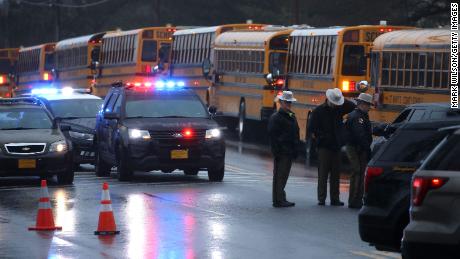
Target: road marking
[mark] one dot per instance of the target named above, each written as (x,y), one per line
(388,254)
(368,255)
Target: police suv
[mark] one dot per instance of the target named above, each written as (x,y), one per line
(157,126)
(76,109)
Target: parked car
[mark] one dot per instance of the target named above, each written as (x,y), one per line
(157,126)
(434,228)
(412,113)
(388,181)
(31,143)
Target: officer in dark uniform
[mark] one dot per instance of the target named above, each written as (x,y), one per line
(283,132)
(327,129)
(358,147)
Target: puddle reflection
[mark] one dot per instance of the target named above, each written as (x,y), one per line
(64,214)
(164,233)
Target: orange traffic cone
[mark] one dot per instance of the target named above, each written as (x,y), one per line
(45,220)
(106,224)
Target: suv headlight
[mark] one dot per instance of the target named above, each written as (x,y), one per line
(213,133)
(138,134)
(82,136)
(59,146)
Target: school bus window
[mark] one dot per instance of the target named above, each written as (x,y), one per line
(277,63)
(414,70)
(279,43)
(5,66)
(375,61)
(354,61)
(407,69)
(49,61)
(164,52)
(149,51)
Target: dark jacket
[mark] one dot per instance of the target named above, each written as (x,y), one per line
(359,130)
(283,132)
(326,123)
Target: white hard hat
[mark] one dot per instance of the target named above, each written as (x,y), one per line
(287,96)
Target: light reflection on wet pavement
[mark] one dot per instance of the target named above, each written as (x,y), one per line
(177,216)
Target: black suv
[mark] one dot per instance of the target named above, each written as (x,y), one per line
(413,113)
(385,213)
(31,143)
(145,127)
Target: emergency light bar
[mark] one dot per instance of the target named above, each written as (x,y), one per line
(160,84)
(67,90)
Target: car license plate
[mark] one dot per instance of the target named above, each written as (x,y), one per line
(179,154)
(27,163)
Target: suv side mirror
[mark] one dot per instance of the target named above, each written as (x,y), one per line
(65,128)
(212,109)
(206,67)
(111,116)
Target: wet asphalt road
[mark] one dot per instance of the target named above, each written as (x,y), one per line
(176,216)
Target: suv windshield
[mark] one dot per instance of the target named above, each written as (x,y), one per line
(24,119)
(76,108)
(411,145)
(164,105)
(446,159)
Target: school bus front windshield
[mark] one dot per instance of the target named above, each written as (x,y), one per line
(354,60)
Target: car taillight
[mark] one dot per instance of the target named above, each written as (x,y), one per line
(348,86)
(421,186)
(47,76)
(371,172)
(279,82)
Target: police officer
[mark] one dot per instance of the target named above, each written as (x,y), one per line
(326,128)
(359,132)
(283,132)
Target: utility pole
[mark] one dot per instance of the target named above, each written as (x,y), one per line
(295,11)
(157,12)
(4,11)
(57,19)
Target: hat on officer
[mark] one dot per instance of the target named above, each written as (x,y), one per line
(366,98)
(287,96)
(335,96)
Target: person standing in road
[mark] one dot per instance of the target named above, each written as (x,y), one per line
(358,147)
(283,132)
(326,128)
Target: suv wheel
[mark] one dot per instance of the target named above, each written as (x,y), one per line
(124,172)
(216,174)
(101,167)
(66,177)
(191,171)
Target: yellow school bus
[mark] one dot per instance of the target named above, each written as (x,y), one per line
(242,60)
(410,66)
(8,59)
(77,61)
(35,67)
(140,55)
(323,58)
(192,47)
